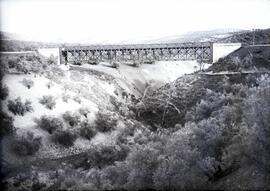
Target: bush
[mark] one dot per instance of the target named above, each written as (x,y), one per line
(52,60)
(84,111)
(72,119)
(87,130)
(64,138)
(115,65)
(228,63)
(98,157)
(37,186)
(23,66)
(12,63)
(28,83)
(26,145)
(48,101)
(3,92)
(6,124)
(49,124)
(136,64)
(17,107)
(65,98)
(257,120)
(49,85)
(77,99)
(105,122)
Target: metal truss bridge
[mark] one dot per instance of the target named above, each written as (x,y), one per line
(137,53)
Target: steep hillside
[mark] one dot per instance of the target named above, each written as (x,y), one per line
(245,59)
(169,104)
(71,91)
(241,67)
(260,36)
(148,76)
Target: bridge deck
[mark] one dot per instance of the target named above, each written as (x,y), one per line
(140,46)
(201,51)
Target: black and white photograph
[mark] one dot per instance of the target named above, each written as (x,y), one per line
(134,95)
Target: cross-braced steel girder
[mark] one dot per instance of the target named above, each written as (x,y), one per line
(201,51)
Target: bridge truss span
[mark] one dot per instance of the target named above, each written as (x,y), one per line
(202,52)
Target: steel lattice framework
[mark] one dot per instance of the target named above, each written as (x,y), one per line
(202,52)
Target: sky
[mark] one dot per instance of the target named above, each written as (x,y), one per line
(101,21)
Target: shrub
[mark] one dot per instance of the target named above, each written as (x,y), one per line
(49,124)
(124,111)
(77,99)
(26,145)
(72,119)
(64,138)
(65,98)
(49,85)
(87,130)
(48,101)
(105,122)
(17,107)
(12,63)
(117,104)
(247,61)
(23,66)
(6,124)
(28,83)
(84,111)
(52,60)
(257,120)
(93,62)
(3,92)
(136,64)
(49,75)
(77,63)
(100,156)
(115,65)
(37,186)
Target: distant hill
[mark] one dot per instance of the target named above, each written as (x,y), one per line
(14,42)
(212,35)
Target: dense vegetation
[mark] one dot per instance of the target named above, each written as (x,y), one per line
(26,63)
(8,43)
(48,101)
(219,138)
(26,144)
(17,107)
(244,59)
